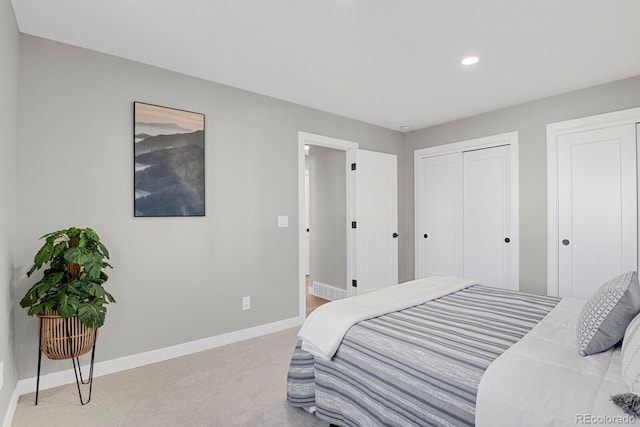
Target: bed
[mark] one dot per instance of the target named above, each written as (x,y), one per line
(451,352)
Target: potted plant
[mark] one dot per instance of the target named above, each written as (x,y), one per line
(70,298)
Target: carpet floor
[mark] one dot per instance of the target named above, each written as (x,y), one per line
(241,384)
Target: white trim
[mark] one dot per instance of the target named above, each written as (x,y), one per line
(134,361)
(510,139)
(326,141)
(11,410)
(305,138)
(554,130)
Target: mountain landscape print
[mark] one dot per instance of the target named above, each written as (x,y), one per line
(168,161)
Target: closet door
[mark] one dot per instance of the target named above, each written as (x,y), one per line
(487,242)
(597,208)
(439,218)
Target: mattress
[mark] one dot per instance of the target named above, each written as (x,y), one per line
(417,366)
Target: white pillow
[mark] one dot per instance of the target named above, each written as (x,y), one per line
(631,356)
(607,313)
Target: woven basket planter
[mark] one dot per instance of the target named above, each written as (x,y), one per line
(65,338)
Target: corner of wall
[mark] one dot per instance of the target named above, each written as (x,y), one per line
(9,70)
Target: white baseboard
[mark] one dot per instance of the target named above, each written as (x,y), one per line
(13,403)
(134,361)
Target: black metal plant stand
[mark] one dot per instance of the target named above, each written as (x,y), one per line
(76,364)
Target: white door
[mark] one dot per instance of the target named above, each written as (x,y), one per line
(466,205)
(597,208)
(487,216)
(375,213)
(439,226)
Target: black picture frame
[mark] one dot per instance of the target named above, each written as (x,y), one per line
(168,161)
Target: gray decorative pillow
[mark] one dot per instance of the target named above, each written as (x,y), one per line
(608,312)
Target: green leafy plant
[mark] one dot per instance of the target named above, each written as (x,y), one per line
(73,283)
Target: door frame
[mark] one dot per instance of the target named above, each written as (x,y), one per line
(555,130)
(510,139)
(306,138)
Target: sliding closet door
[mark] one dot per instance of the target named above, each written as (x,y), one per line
(466,204)
(439,222)
(486,216)
(597,208)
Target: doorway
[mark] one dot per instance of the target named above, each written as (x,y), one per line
(326,222)
(304,239)
(371,228)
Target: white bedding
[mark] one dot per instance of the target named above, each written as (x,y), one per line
(543,381)
(322,332)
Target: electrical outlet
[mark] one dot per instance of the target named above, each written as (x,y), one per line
(1,374)
(246,303)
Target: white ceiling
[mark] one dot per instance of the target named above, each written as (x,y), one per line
(386,62)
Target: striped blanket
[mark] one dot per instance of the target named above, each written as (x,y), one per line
(419,366)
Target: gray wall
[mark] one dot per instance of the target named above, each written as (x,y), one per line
(176,279)
(9,48)
(74,167)
(530,121)
(328,216)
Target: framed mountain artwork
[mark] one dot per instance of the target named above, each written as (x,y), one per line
(168,161)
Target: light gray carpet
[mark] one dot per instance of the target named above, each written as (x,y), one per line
(242,384)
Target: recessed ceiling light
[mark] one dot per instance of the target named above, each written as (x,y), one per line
(469,60)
